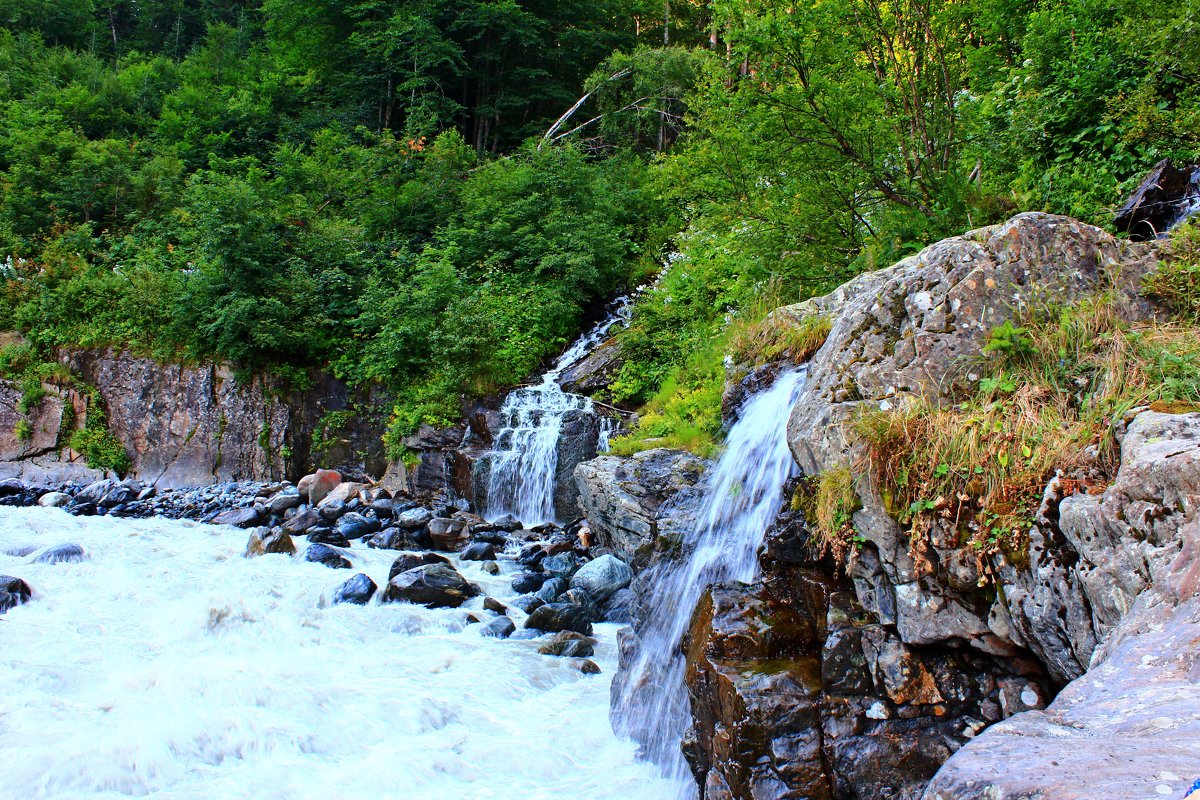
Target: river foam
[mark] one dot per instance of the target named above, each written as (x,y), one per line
(169,666)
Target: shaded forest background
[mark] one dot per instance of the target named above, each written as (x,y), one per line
(437,196)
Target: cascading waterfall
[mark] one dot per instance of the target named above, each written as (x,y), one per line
(745,495)
(525,455)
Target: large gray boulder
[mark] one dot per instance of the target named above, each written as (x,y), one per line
(602,577)
(630,502)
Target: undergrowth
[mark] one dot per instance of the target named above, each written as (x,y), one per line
(1053,389)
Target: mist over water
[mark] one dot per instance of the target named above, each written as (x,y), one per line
(169,666)
(745,495)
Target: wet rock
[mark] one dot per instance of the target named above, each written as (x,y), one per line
(595,371)
(54,500)
(95,492)
(500,628)
(288,498)
(584,601)
(526,582)
(494,538)
(619,607)
(358,590)
(411,561)
(238,517)
(269,540)
(555,617)
(61,554)
(382,507)
(551,590)
(323,554)
(447,534)
(309,518)
(602,577)
(527,603)
(586,666)
(345,493)
(13,592)
(479,551)
(507,523)
(569,644)
(122,493)
(491,568)
(1159,201)
(331,512)
(562,566)
(492,604)
(327,536)
(354,526)
(434,585)
(393,539)
(414,518)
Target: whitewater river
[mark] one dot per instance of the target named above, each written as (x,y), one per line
(167,665)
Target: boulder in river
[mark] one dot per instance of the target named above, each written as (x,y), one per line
(500,628)
(414,518)
(555,617)
(269,540)
(316,486)
(328,536)
(323,554)
(569,644)
(238,517)
(433,585)
(61,554)
(13,592)
(54,500)
(358,590)
(447,534)
(355,526)
(602,577)
(308,518)
(411,561)
(526,582)
(281,502)
(479,551)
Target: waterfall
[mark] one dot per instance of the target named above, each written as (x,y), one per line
(746,493)
(524,458)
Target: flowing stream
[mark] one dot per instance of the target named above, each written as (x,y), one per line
(745,495)
(524,460)
(167,665)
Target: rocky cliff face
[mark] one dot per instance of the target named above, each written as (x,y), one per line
(814,682)
(185,425)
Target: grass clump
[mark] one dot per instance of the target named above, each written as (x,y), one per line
(1177,278)
(1053,389)
(777,338)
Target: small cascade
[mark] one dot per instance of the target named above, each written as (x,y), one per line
(746,494)
(1189,205)
(524,460)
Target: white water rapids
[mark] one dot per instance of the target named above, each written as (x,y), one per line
(169,666)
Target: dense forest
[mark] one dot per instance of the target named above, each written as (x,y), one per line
(437,196)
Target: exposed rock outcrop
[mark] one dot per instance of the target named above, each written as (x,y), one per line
(631,502)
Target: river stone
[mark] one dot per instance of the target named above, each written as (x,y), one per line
(602,577)
(554,617)
(328,536)
(308,518)
(527,603)
(288,498)
(323,554)
(61,554)
(411,561)
(15,592)
(569,644)
(392,539)
(433,586)
(492,604)
(562,566)
(495,538)
(354,525)
(382,506)
(269,540)
(120,494)
(551,590)
(238,517)
(357,590)
(95,492)
(54,500)
(331,512)
(344,493)
(491,568)
(414,518)
(447,534)
(507,523)
(479,551)
(586,666)
(499,627)
(317,486)
(527,582)
(619,607)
